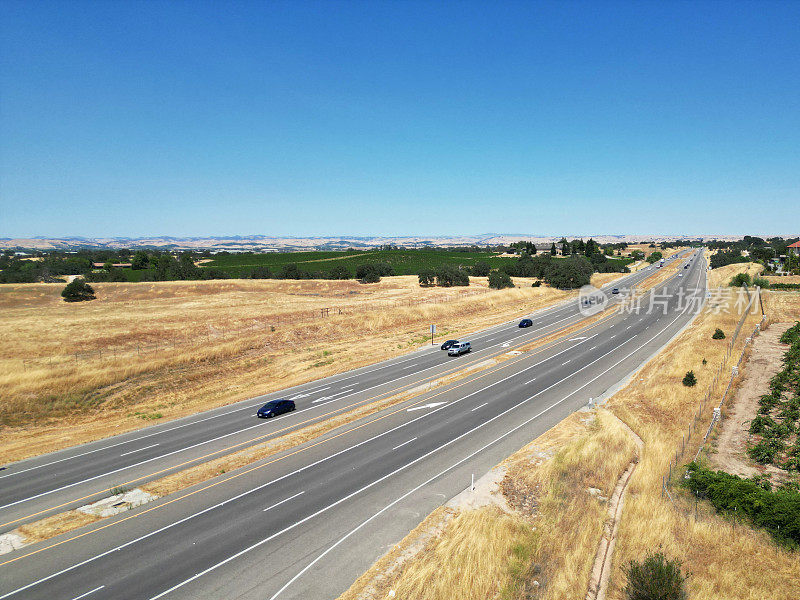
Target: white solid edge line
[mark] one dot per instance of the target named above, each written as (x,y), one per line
(284,500)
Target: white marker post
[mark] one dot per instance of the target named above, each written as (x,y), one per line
(433,330)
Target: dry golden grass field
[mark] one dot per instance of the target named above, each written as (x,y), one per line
(544,547)
(151,351)
(784,279)
(722,276)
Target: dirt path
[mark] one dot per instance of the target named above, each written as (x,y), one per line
(731,447)
(601,569)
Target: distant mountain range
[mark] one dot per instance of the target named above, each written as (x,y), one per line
(262,243)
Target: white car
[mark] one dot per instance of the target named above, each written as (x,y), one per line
(459,348)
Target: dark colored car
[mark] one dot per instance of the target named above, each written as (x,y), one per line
(448,344)
(525,323)
(273,408)
(615,291)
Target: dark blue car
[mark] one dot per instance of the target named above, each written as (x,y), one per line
(273,408)
(525,323)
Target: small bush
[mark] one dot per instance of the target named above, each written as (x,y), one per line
(689,380)
(655,578)
(78,291)
(718,334)
(740,279)
(761,282)
(777,511)
(536,284)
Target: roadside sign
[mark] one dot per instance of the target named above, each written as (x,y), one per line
(433,330)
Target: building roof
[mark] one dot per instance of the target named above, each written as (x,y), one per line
(795,245)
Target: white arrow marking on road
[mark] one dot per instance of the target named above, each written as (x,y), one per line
(577,339)
(424,406)
(506,345)
(298,396)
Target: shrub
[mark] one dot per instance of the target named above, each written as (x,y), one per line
(761,282)
(78,291)
(689,380)
(740,279)
(655,578)
(536,284)
(776,511)
(499,280)
(718,334)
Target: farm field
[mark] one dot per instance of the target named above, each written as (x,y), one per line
(404,262)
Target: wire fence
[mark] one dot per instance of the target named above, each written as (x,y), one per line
(692,440)
(170,340)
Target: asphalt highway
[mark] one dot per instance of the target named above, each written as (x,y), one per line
(55,482)
(305,523)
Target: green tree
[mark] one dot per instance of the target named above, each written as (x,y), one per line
(139,260)
(655,256)
(718,334)
(655,578)
(740,279)
(78,291)
(689,380)
(447,276)
(481,269)
(368,273)
(553,249)
(339,272)
(499,280)
(427,278)
(761,282)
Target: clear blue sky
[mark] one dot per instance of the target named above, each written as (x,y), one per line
(394,118)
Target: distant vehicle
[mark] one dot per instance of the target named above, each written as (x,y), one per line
(459,348)
(615,291)
(685,266)
(448,344)
(273,408)
(680,274)
(525,323)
